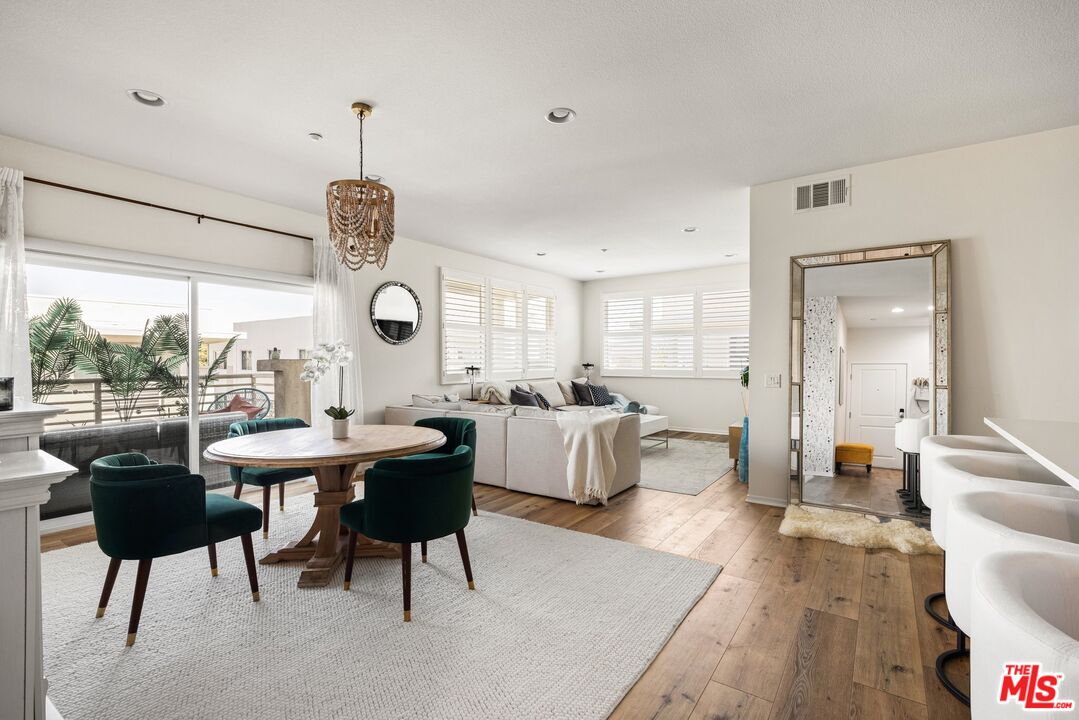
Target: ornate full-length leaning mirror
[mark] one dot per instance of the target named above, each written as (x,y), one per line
(870,334)
(396,313)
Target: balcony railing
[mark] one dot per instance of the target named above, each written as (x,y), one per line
(89,401)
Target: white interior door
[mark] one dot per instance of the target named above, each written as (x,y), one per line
(878,391)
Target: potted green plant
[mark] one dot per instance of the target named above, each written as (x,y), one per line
(325,357)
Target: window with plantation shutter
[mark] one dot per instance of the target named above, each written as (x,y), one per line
(506,357)
(539,334)
(683,333)
(671,346)
(623,335)
(501,327)
(724,332)
(464,326)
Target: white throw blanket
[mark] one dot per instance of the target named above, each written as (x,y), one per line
(589,441)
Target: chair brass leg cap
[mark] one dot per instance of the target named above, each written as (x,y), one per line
(213,572)
(348,584)
(471,585)
(423,558)
(255,597)
(130,639)
(408,616)
(475,513)
(100,612)
(266,535)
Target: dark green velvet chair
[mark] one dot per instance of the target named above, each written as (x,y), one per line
(458,431)
(143,511)
(266,478)
(413,499)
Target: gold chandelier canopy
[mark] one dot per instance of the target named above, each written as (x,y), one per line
(360,214)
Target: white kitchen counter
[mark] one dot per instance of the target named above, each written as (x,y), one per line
(1053,444)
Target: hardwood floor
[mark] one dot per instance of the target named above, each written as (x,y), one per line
(855,488)
(792,628)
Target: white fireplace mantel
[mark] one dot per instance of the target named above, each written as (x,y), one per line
(25,476)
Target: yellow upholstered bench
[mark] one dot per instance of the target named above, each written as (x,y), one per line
(854,454)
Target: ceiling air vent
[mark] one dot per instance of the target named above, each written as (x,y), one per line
(826,193)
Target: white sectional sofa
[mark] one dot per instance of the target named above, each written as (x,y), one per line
(527,453)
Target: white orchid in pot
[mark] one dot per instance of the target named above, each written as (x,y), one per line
(324,358)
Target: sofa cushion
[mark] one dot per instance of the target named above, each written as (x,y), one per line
(535,412)
(550,390)
(523,397)
(566,387)
(581,392)
(434,401)
(600,395)
(487,409)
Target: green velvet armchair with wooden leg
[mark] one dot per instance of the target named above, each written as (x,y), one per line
(266,478)
(413,499)
(144,511)
(458,431)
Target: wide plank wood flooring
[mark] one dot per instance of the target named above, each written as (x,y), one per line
(792,628)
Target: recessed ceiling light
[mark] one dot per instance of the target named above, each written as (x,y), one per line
(146,97)
(689,228)
(560,115)
(729,254)
(541,253)
(872,319)
(897,309)
(603,249)
(373,178)
(315,137)
(601,271)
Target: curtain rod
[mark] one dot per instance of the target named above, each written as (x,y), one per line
(199,217)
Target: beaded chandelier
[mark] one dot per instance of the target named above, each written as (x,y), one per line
(360,214)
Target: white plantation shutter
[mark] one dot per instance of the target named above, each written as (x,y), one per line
(724,332)
(464,326)
(506,357)
(681,333)
(623,335)
(539,334)
(672,336)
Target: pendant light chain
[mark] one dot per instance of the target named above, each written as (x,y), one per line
(361,147)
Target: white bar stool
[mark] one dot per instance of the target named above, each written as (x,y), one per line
(961,474)
(936,446)
(933,451)
(1023,612)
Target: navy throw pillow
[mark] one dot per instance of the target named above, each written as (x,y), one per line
(600,395)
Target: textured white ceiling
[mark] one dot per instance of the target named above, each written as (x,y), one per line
(681,106)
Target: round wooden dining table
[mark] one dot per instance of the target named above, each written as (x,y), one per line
(333,463)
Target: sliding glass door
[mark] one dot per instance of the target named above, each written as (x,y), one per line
(115,344)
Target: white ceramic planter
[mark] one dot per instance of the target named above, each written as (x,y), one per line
(339,428)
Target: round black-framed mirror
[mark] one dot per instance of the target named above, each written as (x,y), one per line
(396,312)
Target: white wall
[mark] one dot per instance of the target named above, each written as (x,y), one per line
(907,345)
(699,404)
(391,373)
(1010,208)
(289,335)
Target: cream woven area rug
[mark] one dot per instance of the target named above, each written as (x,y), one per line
(560,626)
(858,530)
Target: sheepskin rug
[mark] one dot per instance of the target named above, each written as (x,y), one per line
(857,530)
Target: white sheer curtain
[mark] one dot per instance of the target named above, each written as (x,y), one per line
(336,317)
(14,339)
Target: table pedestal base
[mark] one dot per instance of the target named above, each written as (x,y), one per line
(324,545)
